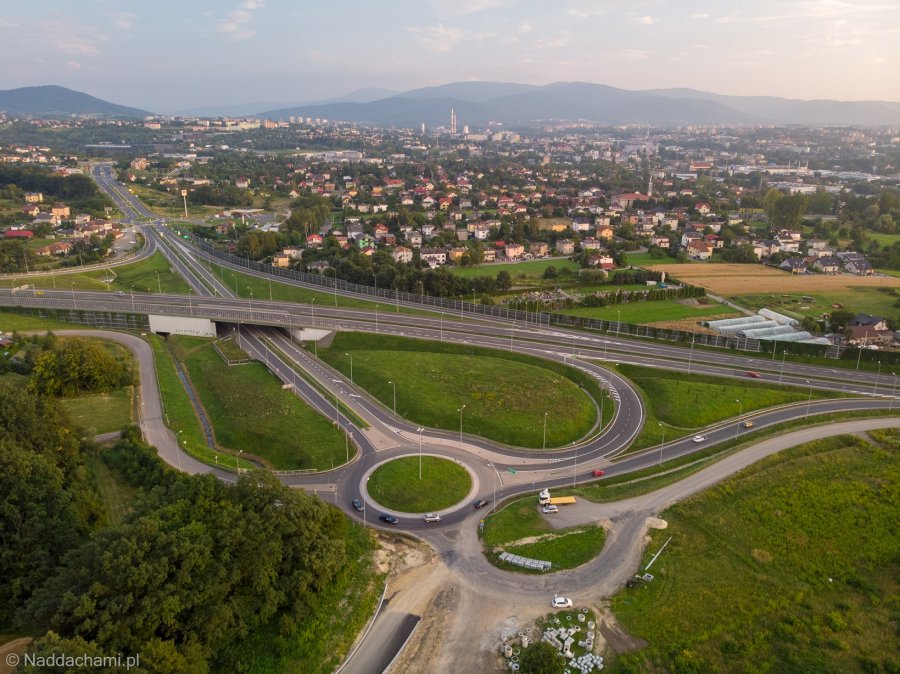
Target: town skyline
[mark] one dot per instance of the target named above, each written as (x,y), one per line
(176,57)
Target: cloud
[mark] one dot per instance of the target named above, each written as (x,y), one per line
(236,25)
(631,54)
(563,39)
(73,64)
(441,39)
(643,20)
(525,28)
(699,15)
(466,7)
(123,20)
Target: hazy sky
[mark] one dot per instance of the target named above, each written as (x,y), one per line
(163,55)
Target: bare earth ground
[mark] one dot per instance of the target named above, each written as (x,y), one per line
(735,279)
(16,646)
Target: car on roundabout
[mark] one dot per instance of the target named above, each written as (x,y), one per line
(389,519)
(699,438)
(432,517)
(747,424)
(561,602)
(480,504)
(358,505)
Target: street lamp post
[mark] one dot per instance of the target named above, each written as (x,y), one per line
(781,374)
(394,386)
(618,320)
(663,442)
(376,319)
(420,429)
(545,431)
(575,466)
(158,283)
(74,304)
(877,377)
(460,410)
(442,326)
(808,400)
(250,290)
(347,444)
(237,461)
(351,366)
(740,414)
(691,353)
(893,391)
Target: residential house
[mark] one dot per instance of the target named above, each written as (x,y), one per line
(660,241)
(18,234)
(33,197)
(788,245)
(605,232)
(539,248)
(402,254)
(580,225)
(462,234)
(860,267)
(865,335)
(314,241)
(434,256)
(456,253)
(60,211)
(827,265)
(698,250)
(513,251)
(31,210)
(869,321)
(281,261)
(293,252)
(795,265)
(414,239)
(319,266)
(565,246)
(590,243)
(489,255)
(703,208)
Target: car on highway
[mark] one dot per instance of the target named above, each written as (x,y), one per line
(432,517)
(598,473)
(699,438)
(358,505)
(747,424)
(390,519)
(755,375)
(480,503)
(120,292)
(561,602)
(548,509)
(39,292)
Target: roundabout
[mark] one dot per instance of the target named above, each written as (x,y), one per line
(410,485)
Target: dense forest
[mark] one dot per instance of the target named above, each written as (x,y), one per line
(198,576)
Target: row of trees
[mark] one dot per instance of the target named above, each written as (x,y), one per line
(73,366)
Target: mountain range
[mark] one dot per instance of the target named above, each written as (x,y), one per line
(53,102)
(477,103)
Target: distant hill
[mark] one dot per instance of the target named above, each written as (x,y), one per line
(477,103)
(53,101)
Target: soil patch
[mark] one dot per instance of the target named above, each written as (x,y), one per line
(615,636)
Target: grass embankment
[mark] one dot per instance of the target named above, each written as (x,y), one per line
(12,320)
(396,484)
(505,394)
(250,411)
(521,529)
(531,270)
(803,544)
(103,412)
(141,275)
(684,403)
(652,311)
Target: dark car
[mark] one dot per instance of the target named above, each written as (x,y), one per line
(390,519)
(480,504)
(358,505)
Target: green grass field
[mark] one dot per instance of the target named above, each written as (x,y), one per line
(521,529)
(803,544)
(116,495)
(505,394)
(141,275)
(396,484)
(532,270)
(101,413)
(870,300)
(251,412)
(11,320)
(652,312)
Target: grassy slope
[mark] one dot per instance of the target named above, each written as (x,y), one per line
(684,402)
(142,275)
(250,411)
(770,539)
(504,400)
(531,269)
(651,312)
(396,485)
(870,300)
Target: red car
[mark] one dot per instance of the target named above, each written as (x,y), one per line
(597,473)
(755,375)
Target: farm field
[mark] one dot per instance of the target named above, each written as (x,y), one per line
(653,312)
(878,301)
(802,544)
(735,279)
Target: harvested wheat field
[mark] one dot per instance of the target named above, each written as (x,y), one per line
(737,279)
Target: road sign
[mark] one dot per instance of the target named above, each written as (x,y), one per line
(511,470)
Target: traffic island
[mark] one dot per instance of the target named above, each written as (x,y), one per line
(399,486)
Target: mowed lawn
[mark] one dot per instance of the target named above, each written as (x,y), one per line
(789,566)
(101,413)
(652,312)
(504,400)
(533,269)
(251,412)
(396,485)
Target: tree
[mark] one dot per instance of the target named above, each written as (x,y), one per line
(550,272)
(504,280)
(541,658)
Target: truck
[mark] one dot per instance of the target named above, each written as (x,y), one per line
(544,498)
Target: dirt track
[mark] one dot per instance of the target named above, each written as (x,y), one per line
(734,279)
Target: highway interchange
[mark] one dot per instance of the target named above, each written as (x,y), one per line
(267,331)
